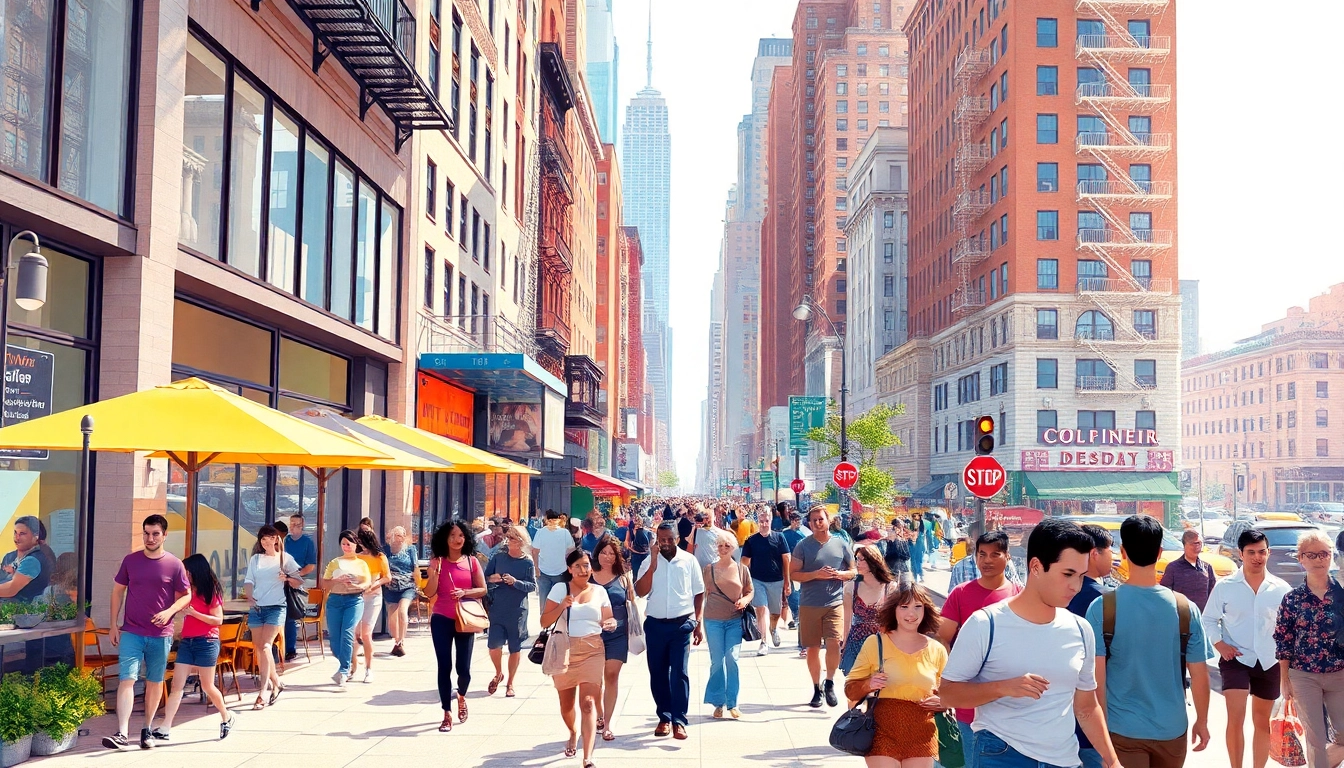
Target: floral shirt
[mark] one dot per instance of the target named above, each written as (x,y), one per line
(1304,634)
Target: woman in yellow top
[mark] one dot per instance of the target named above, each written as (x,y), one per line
(380,573)
(912,667)
(345,580)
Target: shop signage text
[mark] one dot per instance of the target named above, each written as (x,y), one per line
(1116,437)
(444,409)
(29,376)
(1131,461)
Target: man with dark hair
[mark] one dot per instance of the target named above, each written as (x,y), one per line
(1099,564)
(1190,574)
(1239,619)
(1026,665)
(793,533)
(1148,633)
(822,564)
(301,547)
(766,554)
(967,568)
(550,546)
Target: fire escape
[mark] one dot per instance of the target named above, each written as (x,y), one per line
(972,156)
(557,170)
(1123,204)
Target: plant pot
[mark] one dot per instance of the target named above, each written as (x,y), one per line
(45,745)
(29,620)
(15,752)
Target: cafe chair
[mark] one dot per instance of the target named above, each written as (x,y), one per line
(95,660)
(316,597)
(230,643)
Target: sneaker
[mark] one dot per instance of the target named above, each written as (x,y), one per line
(831,700)
(225,727)
(774,637)
(763,650)
(368,675)
(115,741)
(291,657)
(146,739)
(339,679)
(816,697)
(793,624)
(159,734)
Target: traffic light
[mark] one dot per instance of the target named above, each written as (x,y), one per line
(984,435)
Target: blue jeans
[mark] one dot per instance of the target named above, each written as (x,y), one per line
(725,639)
(544,584)
(1091,758)
(292,630)
(967,744)
(794,597)
(993,752)
(343,612)
(668,651)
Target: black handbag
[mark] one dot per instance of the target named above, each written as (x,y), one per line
(750,632)
(853,733)
(296,602)
(538,652)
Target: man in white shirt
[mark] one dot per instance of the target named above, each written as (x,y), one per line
(550,546)
(675,589)
(1240,618)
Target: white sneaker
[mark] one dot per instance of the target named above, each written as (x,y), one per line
(763,650)
(368,675)
(774,637)
(338,678)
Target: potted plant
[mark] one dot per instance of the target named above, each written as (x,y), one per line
(63,699)
(16,719)
(29,614)
(7,611)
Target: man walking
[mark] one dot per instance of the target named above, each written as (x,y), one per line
(1150,637)
(550,547)
(822,565)
(1098,566)
(792,533)
(672,582)
(1190,574)
(766,555)
(1240,620)
(304,551)
(1026,665)
(154,587)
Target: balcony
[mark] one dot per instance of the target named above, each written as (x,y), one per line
(971,205)
(556,167)
(473,333)
(375,41)
(971,64)
(1121,96)
(1145,7)
(1094,384)
(967,299)
(554,251)
(1125,239)
(969,251)
(552,333)
(1146,50)
(1130,144)
(972,157)
(971,111)
(1141,286)
(581,410)
(1123,191)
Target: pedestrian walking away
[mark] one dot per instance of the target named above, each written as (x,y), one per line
(1190,574)
(822,564)
(673,583)
(903,663)
(550,546)
(610,573)
(587,611)
(918,547)
(766,554)
(705,539)
(1239,618)
(1026,665)
(896,553)
(198,648)
(863,601)
(345,579)
(638,541)
(399,592)
(1099,565)
(729,594)
(508,582)
(454,575)
(269,570)
(304,551)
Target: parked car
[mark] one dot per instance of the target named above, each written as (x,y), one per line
(1210,523)
(1328,512)
(1282,536)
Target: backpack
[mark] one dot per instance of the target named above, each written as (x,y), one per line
(1182,612)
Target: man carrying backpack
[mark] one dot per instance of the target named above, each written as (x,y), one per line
(1149,633)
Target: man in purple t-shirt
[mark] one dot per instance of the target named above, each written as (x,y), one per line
(154,586)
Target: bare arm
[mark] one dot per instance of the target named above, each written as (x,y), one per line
(214,618)
(947,632)
(17,582)
(849,605)
(114,623)
(1199,691)
(1100,674)
(551,613)
(1092,719)
(477,584)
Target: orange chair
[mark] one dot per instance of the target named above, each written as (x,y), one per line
(97,661)
(230,643)
(422,604)
(316,597)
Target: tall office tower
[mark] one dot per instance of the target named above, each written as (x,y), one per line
(1042,248)
(604,58)
(1189,319)
(781,251)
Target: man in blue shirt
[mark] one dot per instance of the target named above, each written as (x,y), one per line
(304,552)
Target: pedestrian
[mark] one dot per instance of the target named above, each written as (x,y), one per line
(1190,574)
(1141,662)
(822,564)
(25,572)
(269,570)
(896,553)
(746,528)
(766,556)
(399,592)
(705,539)
(1238,618)
(906,675)
(729,595)
(918,547)
(637,539)
(198,648)
(152,586)
(380,573)
(1099,564)
(304,551)
(345,579)
(454,575)
(588,614)
(590,535)
(1311,666)
(508,580)
(863,601)
(550,546)
(673,583)
(685,527)
(793,533)
(610,573)
(1027,666)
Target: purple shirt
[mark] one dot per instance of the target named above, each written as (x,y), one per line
(1194,581)
(151,586)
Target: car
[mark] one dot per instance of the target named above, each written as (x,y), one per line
(1282,536)
(1286,517)
(1329,512)
(1209,523)
(1172,550)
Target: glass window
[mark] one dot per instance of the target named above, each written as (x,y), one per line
(366,244)
(389,260)
(1045,420)
(1047,129)
(210,342)
(284,207)
(1094,324)
(1047,33)
(316,211)
(1145,322)
(27,59)
(95,102)
(203,150)
(1047,374)
(309,371)
(247,146)
(1145,373)
(1047,324)
(342,241)
(1047,225)
(1047,81)
(1145,419)
(67,307)
(1047,177)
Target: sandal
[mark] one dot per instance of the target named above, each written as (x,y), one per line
(260,703)
(601,722)
(589,764)
(508,692)
(607,735)
(447,724)
(275,694)
(494,684)
(572,748)
(461,709)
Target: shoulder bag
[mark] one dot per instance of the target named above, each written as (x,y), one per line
(471,613)
(555,656)
(853,733)
(634,623)
(750,632)
(296,599)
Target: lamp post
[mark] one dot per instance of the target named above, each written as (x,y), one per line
(803,312)
(30,290)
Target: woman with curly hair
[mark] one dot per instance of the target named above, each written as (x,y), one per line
(454,574)
(610,573)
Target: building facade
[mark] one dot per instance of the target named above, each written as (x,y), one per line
(904,376)
(782,266)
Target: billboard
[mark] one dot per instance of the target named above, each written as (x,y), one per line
(444,409)
(515,427)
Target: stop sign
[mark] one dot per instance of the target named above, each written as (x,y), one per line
(845,475)
(983,476)
(797,485)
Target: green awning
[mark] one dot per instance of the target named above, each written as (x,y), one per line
(1101,486)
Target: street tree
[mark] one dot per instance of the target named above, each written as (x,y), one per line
(868,434)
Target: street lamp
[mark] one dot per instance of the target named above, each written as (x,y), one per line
(30,288)
(803,312)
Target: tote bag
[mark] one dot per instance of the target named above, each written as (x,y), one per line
(555,661)
(634,623)
(853,733)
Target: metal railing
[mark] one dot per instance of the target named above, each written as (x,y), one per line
(1124,92)
(1122,6)
(553,326)
(972,157)
(1129,188)
(473,333)
(1142,142)
(1160,285)
(972,63)
(1145,238)
(1150,45)
(1095,384)
(971,203)
(1094,334)
(396,17)
(969,250)
(967,298)
(971,109)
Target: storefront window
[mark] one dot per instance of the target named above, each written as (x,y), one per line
(316,184)
(247,146)
(309,371)
(202,150)
(283,203)
(211,342)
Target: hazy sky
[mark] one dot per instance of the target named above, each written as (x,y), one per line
(1252,143)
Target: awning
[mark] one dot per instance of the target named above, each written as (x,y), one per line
(601,485)
(463,458)
(930,492)
(1100,486)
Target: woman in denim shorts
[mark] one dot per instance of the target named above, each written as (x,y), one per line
(399,593)
(268,571)
(199,649)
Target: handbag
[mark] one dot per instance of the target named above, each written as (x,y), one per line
(853,733)
(471,613)
(555,659)
(951,753)
(634,623)
(296,602)
(1287,736)
(750,631)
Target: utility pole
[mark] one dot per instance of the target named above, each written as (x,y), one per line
(776,468)
(797,464)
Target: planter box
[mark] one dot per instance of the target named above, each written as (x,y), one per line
(15,752)
(45,745)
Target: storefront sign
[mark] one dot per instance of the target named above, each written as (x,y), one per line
(28,379)
(444,409)
(1108,460)
(1109,437)
(515,427)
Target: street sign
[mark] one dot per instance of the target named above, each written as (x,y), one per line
(845,475)
(797,485)
(950,491)
(983,476)
(805,413)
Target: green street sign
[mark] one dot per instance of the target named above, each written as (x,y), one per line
(805,413)
(767,481)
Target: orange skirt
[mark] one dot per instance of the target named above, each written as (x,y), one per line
(587,660)
(904,730)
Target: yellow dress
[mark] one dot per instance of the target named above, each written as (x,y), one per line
(905,730)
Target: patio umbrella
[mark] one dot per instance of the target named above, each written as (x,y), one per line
(464,458)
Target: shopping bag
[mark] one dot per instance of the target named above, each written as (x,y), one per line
(1287,736)
(951,752)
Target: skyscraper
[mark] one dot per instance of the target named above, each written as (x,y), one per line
(604,58)
(1189,319)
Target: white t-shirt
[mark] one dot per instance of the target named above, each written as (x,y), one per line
(1062,652)
(584,618)
(263,573)
(552,544)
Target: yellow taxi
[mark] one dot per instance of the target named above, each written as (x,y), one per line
(1171,550)
(1290,517)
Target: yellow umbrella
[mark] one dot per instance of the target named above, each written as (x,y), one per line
(464,458)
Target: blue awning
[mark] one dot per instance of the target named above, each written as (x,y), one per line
(506,376)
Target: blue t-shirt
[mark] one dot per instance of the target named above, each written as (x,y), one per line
(34,567)
(1083,600)
(792,537)
(303,550)
(1145,688)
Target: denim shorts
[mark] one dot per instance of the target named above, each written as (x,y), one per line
(394,596)
(767,594)
(266,616)
(137,651)
(198,651)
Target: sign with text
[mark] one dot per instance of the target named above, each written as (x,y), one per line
(1117,438)
(846,475)
(1109,460)
(29,375)
(805,414)
(797,485)
(445,409)
(983,476)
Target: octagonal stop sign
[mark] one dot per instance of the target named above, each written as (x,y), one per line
(983,476)
(845,475)
(797,485)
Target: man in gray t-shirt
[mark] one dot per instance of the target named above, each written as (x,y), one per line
(822,564)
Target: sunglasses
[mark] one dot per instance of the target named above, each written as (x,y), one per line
(1314,555)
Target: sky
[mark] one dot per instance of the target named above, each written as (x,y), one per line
(1253,162)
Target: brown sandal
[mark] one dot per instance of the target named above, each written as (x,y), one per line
(461,709)
(508,692)
(601,723)
(447,724)
(494,684)
(572,749)
(607,735)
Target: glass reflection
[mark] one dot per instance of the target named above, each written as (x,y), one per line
(283,202)
(202,150)
(342,241)
(313,265)
(247,146)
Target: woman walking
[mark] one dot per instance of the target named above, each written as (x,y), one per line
(587,611)
(727,594)
(454,575)
(380,573)
(399,592)
(198,650)
(918,545)
(896,552)
(863,602)
(344,580)
(508,581)
(610,573)
(906,674)
(1310,664)
(268,571)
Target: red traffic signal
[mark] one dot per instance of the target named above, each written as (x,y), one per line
(984,435)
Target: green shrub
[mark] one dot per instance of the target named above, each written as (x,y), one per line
(64,699)
(16,707)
